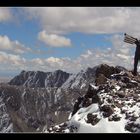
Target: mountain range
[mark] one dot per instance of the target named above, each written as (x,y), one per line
(36,101)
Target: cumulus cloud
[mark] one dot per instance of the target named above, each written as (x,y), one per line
(5,14)
(61,20)
(12,46)
(54,40)
(120,54)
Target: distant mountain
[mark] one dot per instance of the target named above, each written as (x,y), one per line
(40,79)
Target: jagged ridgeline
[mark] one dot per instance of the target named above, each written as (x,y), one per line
(63,102)
(40,79)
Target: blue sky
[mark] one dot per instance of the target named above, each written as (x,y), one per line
(67,38)
(26,33)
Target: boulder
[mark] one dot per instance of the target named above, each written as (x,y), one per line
(100,79)
(107,110)
(92,118)
(107,71)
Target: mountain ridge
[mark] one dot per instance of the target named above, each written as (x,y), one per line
(40,78)
(35,108)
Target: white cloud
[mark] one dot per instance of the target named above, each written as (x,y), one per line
(12,46)
(120,54)
(5,43)
(11,62)
(123,56)
(59,20)
(5,14)
(117,55)
(53,60)
(88,53)
(54,40)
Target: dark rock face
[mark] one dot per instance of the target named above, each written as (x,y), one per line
(104,71)
(107,71)
(101,79)
(34,78)
(91,92)
(77,105)
(56,79)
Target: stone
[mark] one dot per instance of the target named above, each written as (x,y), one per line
(101,79)
(76,105)
(91,91)
(92,118)
(107,110)
(106,70)
(114,118)
(121,94)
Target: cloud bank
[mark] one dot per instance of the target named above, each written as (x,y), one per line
(62,20)
(112,56)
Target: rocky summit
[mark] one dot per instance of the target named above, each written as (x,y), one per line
(102,99)
(111,105)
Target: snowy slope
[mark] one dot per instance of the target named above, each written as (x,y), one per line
(79,121)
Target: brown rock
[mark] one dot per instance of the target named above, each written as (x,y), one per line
(107,110)
(95,99)
(91,118)
(87,102)
(114,118)
(118,105)
(106,70)
(91,92)
(76,105)
(121,94)
(131,127)
(125,79)
(101,79)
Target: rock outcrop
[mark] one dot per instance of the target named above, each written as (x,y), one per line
(115,99)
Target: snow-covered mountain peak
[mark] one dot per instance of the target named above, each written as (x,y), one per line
(40,79)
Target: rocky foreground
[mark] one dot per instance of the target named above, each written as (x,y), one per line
(111,105)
